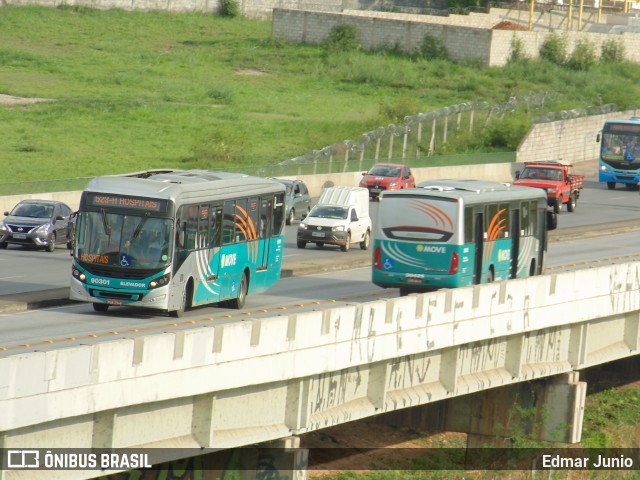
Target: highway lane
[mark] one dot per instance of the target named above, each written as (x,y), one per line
(74,324)
(23,270)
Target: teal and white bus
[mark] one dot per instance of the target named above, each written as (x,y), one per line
(173,239)
(454,233)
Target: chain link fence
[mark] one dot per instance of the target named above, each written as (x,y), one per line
(414,142)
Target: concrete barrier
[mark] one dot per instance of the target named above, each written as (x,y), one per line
(492,171)
(455,342)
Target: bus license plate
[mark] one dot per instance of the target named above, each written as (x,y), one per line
(414,280)
(317,234)
(115,302)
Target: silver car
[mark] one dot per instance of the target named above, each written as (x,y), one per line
(37,223)
(298,201)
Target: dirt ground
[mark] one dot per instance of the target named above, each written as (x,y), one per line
(373,446)
(10,100)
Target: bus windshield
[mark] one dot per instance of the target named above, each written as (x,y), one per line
(128,241)
(620,148)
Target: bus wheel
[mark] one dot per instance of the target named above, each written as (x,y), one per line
(556,208)
(238,302)
(319,244)
(404,291)
(611,185)
(571,206)
(364,244)
(347,244)
(490,276)
(100,307)
(185,304)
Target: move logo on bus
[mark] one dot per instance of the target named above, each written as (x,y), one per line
(228,260)
(430,249)
(504,255)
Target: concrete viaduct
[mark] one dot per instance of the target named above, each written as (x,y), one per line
(228,384)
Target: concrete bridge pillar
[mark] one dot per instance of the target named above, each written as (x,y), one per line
(549,410)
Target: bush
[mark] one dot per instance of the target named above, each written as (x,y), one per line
(230,8)
(432,48)
(612,51)
(583,56)
(342,38)
(517,50)
(554,49)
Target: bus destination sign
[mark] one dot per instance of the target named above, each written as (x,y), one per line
(123,201)
(622,128)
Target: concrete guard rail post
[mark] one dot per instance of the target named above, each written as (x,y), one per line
(244,382)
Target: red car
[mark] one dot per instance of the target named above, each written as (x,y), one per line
(387,176)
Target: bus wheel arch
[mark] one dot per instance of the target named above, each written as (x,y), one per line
(243,289)
(186,301)
(491,275)
(532,268)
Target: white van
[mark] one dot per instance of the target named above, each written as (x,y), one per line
(341,217)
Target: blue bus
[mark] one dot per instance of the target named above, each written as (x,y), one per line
(454,233)
(619,160)
(169,240)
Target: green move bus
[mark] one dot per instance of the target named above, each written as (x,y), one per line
(172,239)
(454,233)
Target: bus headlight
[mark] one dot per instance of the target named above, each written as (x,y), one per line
(78,275)
(604,168)
(160,282)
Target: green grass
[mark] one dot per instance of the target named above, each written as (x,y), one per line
(135,90)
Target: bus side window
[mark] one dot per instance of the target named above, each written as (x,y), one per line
(525,219)
(241,220)
(228,221)
(504,226)
(278,214)
(203,226)
(191,227)
(468,225)
(215,226)
(253,217)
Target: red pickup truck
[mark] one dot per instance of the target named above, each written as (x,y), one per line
(562,186)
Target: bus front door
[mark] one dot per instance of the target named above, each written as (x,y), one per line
(515,242)
(478,233)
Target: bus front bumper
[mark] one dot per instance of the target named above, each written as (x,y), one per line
(156,298)
(629,178)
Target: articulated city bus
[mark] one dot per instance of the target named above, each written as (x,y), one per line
(619,160)
(172,239)
(453,233)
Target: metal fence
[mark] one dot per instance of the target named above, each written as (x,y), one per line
(414,142)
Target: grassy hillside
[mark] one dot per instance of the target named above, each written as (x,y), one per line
(134,90)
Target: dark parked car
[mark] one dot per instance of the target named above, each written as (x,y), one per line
(387,176)
(37,223)
(298,201)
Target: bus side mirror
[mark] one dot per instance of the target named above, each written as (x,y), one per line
(598,138)
(552,220)
(517,174)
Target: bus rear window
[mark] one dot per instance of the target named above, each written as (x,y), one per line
(418,220)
